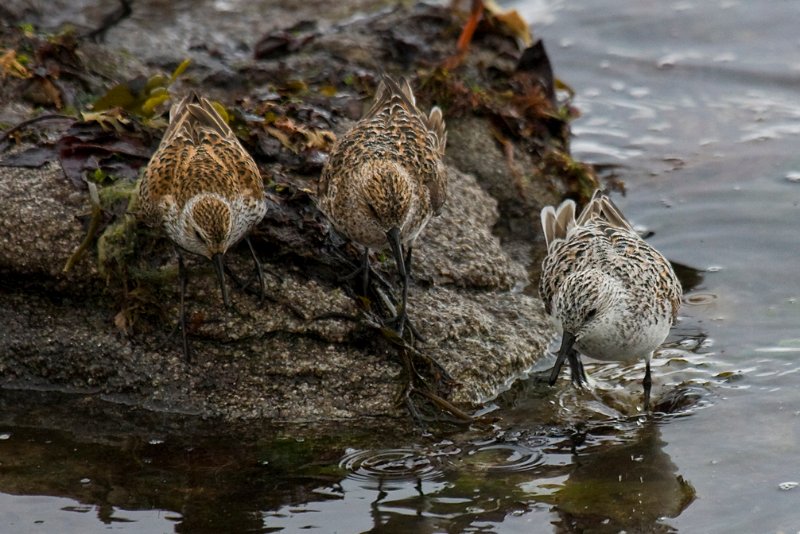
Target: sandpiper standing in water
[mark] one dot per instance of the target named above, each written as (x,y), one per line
(612,295)
(385,179)
(203,187)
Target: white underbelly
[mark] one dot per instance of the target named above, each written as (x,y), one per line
(623,345)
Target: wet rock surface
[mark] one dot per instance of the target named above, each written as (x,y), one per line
(272,359)
(304,352)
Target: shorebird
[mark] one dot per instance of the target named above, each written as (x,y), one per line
(612,295)
(204,189)
(385,178)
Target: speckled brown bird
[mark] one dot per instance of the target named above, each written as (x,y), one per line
(385,178)
(203,188)
(613,296)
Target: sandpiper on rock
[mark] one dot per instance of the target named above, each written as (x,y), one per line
(203,187)
(612,295)
(385,178)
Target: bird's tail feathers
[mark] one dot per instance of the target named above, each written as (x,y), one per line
(557,222)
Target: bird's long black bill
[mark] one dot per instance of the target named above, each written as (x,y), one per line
(397,250)
(567,341)
(216,260)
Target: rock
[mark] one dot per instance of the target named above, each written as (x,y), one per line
(305,353)
(519,190)
(40,227)
(259,360)
(459,245)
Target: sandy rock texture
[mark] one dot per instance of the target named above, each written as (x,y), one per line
(304,353)
(261,359)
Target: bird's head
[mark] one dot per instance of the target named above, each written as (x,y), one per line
(387,190)
(205,226)
(586,300)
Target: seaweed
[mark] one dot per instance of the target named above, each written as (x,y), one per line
(142,97)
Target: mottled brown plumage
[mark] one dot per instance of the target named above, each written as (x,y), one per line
(613,296)
(201,185)
(385,177)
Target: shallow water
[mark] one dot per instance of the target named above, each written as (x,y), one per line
(693,105)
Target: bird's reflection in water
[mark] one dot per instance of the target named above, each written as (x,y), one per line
(691,277)
(631,487)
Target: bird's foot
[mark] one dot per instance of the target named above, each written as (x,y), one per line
(369,274)
(577,373)
(400,323)
(416,386)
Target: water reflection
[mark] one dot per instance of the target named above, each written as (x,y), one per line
(501,456)
(210,479)
(608,477)
(690,277)
(392,465)
(430,488)
(628,487)
(211,486)
(98,464)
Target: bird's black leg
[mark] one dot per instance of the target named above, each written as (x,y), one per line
(647,382)
(576,368)
(366,268)
(567,341)
(414,331)
(259,268)
(366,271)
(407,261)
(183,279)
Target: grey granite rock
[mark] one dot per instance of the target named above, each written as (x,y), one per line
(260,360)
(286,358)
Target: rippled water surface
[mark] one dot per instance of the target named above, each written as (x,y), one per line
(694,106)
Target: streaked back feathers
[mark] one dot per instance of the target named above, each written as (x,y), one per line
(393,138)
(201,184)
(558,222)
(601,239)
(191,116)
(601,207)
(392,99)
